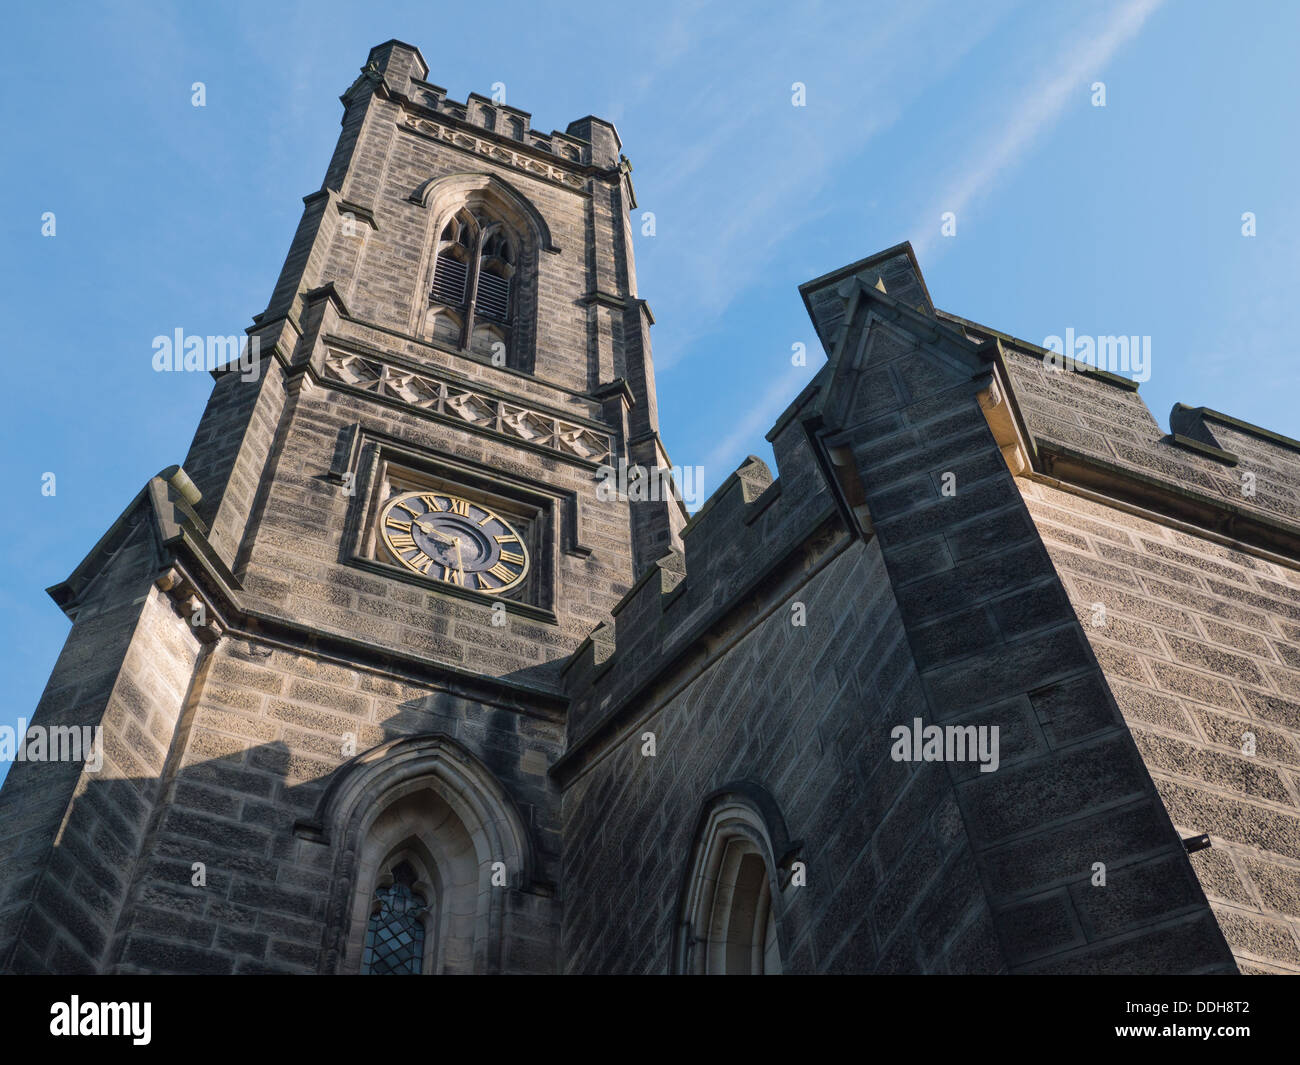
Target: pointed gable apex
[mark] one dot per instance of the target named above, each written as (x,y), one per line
(893,271)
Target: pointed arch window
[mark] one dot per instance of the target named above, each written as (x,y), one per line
(731,895)
(426,802)
(395,934)
(472,288)
(451,271)
(741,931)
(496,265)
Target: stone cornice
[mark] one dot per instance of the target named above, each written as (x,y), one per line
(192,575)
(189,577)
(1236,423)
(1026,348)
(1255,531)
(606,299)
(1202,448)
(446,129)
(617,388)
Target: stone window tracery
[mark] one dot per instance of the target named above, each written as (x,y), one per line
(472,290)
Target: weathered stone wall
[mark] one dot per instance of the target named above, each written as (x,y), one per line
(996,643)
(70,836)
(267,728)
(705,653)
(806,713)
(949,869)
(1200,643)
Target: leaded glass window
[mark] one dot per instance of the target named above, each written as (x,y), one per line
(395,934)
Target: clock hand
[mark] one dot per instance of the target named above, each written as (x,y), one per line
(460,562)
(432,530)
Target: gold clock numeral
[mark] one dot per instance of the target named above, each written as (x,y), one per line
(487,518)
(458,506)
(455,576)
(421,561)
(502,574)
(479,582)
(509,538)
(510,556)
(408,510)
(397,523)
(402,543)
(431,502)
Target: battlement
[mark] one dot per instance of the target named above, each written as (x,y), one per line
(587,141)
(1211,470)
(511,123)
(738,554)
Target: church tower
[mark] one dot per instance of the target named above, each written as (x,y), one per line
(325,653)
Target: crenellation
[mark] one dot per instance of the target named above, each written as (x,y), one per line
(508,123)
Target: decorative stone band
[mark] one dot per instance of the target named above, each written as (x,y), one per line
(427,392)
(496,152)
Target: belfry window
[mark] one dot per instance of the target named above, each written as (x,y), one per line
(452,268)
(495,268)
(395,934)
(472,291)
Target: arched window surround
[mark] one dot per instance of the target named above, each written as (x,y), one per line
(510,215)
(428,800)
(731,900)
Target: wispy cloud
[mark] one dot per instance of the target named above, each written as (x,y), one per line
(1043,105)
(757,167)
(763,215)
(753,424)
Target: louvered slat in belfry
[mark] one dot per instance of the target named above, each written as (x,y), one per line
(493,296)
(449,281)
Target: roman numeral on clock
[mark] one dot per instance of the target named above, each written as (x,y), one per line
(421,561)
(510,556)
(431,502)
(397,523)
(502,574)
(402,543)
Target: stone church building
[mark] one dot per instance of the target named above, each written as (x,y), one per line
(996,676)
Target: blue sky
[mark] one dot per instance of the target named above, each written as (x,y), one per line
(1123,219)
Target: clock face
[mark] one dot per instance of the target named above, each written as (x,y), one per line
(451,539)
